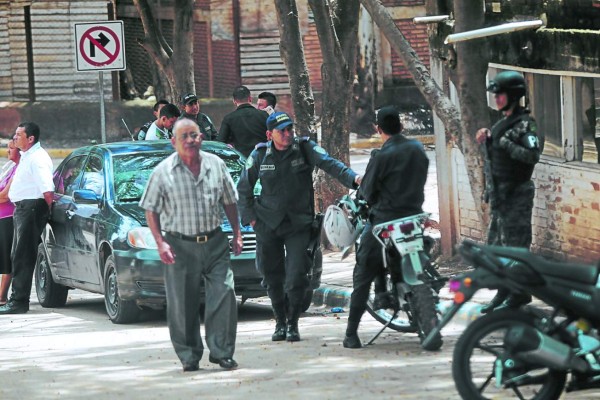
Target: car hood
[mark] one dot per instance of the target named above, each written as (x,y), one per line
(136,212)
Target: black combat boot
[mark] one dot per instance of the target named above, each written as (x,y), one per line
(498,299)
(352,341)
(292,325)
(280,323)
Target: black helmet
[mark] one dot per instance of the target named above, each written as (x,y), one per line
(510,82)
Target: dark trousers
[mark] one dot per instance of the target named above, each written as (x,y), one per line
(369,265)
(196,263)
(284,262)
(30,219)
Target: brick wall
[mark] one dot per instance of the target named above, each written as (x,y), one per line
(565,214)
(201,59)
(418,39)
(226,75)
(314,58)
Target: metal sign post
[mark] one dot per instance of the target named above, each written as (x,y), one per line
(99,46)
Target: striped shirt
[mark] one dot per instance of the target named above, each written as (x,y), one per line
(186,204)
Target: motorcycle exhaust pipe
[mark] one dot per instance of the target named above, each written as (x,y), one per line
(533,346)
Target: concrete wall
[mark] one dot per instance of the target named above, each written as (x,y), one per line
(75,123)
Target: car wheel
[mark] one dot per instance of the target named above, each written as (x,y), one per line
(119,311)
(49,293)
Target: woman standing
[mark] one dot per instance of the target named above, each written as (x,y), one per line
(6,219)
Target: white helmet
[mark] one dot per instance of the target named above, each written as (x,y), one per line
(338,228)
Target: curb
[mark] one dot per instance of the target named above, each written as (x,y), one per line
(373,142)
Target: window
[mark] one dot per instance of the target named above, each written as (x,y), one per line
(590,102)
(69,177)
(544,94)
(93,177)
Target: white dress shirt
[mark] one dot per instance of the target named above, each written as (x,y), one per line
(33,176)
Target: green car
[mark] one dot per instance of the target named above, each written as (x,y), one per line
(97,238)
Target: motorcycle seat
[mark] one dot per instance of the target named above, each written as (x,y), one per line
(584,273)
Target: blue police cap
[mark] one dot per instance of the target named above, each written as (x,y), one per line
(278,120)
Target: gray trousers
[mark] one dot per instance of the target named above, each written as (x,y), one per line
(196,263)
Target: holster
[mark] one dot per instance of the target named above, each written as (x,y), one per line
(315,235)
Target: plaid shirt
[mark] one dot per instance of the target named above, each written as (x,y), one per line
(186,204)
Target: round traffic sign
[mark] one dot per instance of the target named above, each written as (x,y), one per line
(101,44)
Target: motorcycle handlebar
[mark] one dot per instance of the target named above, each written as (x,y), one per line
(480,256)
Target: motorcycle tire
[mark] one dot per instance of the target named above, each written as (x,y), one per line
(476,353)
(422,303)
(403,321)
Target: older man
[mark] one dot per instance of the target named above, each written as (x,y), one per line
(183,198)
(32,192)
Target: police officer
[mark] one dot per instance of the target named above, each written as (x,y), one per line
(283,213)
(394,187)
(191,110)
(512,148)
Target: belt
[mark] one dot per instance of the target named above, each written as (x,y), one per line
(200,238)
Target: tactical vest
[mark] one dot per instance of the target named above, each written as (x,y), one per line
(504,167)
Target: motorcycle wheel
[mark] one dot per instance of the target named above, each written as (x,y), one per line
(402,322)
(476,353)
(422,303)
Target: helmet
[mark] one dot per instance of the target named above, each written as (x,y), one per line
(339,230)
(510,82)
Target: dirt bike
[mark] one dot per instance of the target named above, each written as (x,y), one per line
(411,281)
(523,351)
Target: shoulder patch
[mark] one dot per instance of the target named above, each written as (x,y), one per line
(249,162)
(532,126)
(319,149)
(259,145)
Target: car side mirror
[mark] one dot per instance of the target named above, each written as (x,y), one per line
(85,196)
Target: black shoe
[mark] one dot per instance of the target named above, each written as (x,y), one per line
(13,307)
(191,367)
(225,363)
(292,332)
(280,332)
(352,342)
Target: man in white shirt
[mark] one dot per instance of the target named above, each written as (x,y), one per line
(32,192)
(161,128)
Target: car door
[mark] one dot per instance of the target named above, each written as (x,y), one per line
(59,240)
(83,257)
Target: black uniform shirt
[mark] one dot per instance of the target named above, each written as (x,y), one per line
(244,128)
(286,180)
(394,182)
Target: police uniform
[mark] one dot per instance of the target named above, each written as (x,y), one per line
(513,151)
(394,187)
(207,128)
(284,212)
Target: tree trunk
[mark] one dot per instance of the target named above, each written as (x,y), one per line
(175,66)
(338,36)
(470,81)
(434,95)
(292,54)
(469,73)
(365,88)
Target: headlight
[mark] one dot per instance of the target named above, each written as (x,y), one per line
(141,238)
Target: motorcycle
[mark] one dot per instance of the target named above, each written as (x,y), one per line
(526,352)
(411,281)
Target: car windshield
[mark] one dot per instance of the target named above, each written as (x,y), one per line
(132,171)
